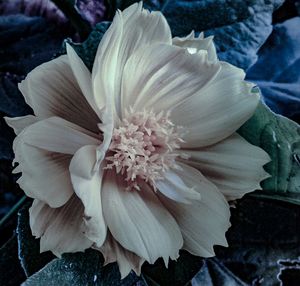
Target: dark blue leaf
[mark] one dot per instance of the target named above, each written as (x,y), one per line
(277,71)
(29,247)
(214,273)
(262,233)
(11,273)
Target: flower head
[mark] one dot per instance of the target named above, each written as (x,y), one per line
(139,157)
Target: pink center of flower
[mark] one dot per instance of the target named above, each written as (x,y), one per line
(143,146)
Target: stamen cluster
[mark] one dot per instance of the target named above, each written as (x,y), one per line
(143,146)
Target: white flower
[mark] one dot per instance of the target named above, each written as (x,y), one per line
(139,157)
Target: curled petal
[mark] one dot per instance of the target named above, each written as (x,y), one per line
(60,229)
(20,123)
(195,44)
(87,185)
(173,187)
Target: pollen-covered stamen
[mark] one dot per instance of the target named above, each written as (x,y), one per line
(144,146)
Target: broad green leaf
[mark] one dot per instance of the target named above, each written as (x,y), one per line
(280,138)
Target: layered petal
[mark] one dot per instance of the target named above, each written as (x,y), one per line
(161,76)
(20,123)
(83,78)
(138,220)
(60,229)
(127,261)
(133,29)
(195,44)
(218,110)
(57,135)
(173,187)
(204,222)
(233,165)
(52,90)
(87,185)
(45,174)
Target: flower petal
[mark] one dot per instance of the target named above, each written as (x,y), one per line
(19,123)
(203,223)
(218,110)
(173,187)
(87,186)
(133,29)
(127,260)
(195,44)
(45,175)
(233,165)
(138,221)
(52,90)
(83,78)
(160,76)
(57,135)
(61,228)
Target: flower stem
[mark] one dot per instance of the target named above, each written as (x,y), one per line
(13,211)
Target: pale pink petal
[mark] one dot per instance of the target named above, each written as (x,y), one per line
(233,165)
(127,260)
(138,221)
(195,44)
(52,90)
(60,229)
(84,78)
(204,222)
(132,29)
(45,175)
(19,123)
(160,76)
(218,110)
(87,185)
(57,135)
(173,187)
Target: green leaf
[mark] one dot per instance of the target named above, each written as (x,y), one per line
(81,269)
(280,138)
